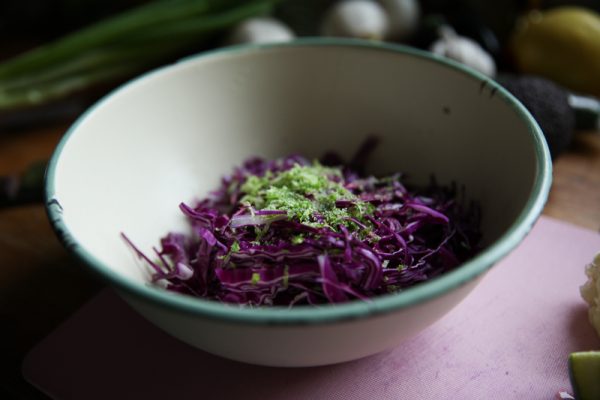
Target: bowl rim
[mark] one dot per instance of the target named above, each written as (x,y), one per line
(329,313)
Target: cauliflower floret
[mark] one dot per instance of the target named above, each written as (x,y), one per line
(590,291)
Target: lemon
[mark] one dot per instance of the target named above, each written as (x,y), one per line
(561,44)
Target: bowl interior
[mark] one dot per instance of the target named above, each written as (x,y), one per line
(169,136)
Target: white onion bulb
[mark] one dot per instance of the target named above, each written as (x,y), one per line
(363,19)
(261,30)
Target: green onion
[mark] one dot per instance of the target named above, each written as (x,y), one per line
(118,47)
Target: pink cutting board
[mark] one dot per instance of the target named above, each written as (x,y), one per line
(508,340)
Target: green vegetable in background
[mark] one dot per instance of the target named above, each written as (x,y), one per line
(118,47)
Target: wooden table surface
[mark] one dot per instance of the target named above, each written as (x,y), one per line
(41,285)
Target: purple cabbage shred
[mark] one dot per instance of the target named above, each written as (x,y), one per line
(260,257)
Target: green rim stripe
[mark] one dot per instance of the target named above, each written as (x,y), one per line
(328,313)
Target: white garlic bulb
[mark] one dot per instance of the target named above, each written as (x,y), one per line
(364,19)
(261,30)
(463,50)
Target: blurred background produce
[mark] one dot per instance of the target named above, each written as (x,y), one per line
(562,44)
(66,53)
(118,47)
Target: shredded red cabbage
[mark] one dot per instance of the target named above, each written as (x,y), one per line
(350,237)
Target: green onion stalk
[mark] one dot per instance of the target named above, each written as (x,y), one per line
(119,47)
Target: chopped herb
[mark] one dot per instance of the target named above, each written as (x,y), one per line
(307,193)
(297,239)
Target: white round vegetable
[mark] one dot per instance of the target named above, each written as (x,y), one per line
(363,19)
(464,50)
(403,16)
(261,30)
(590,292)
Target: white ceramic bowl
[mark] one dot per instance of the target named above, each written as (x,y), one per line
(170,135)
